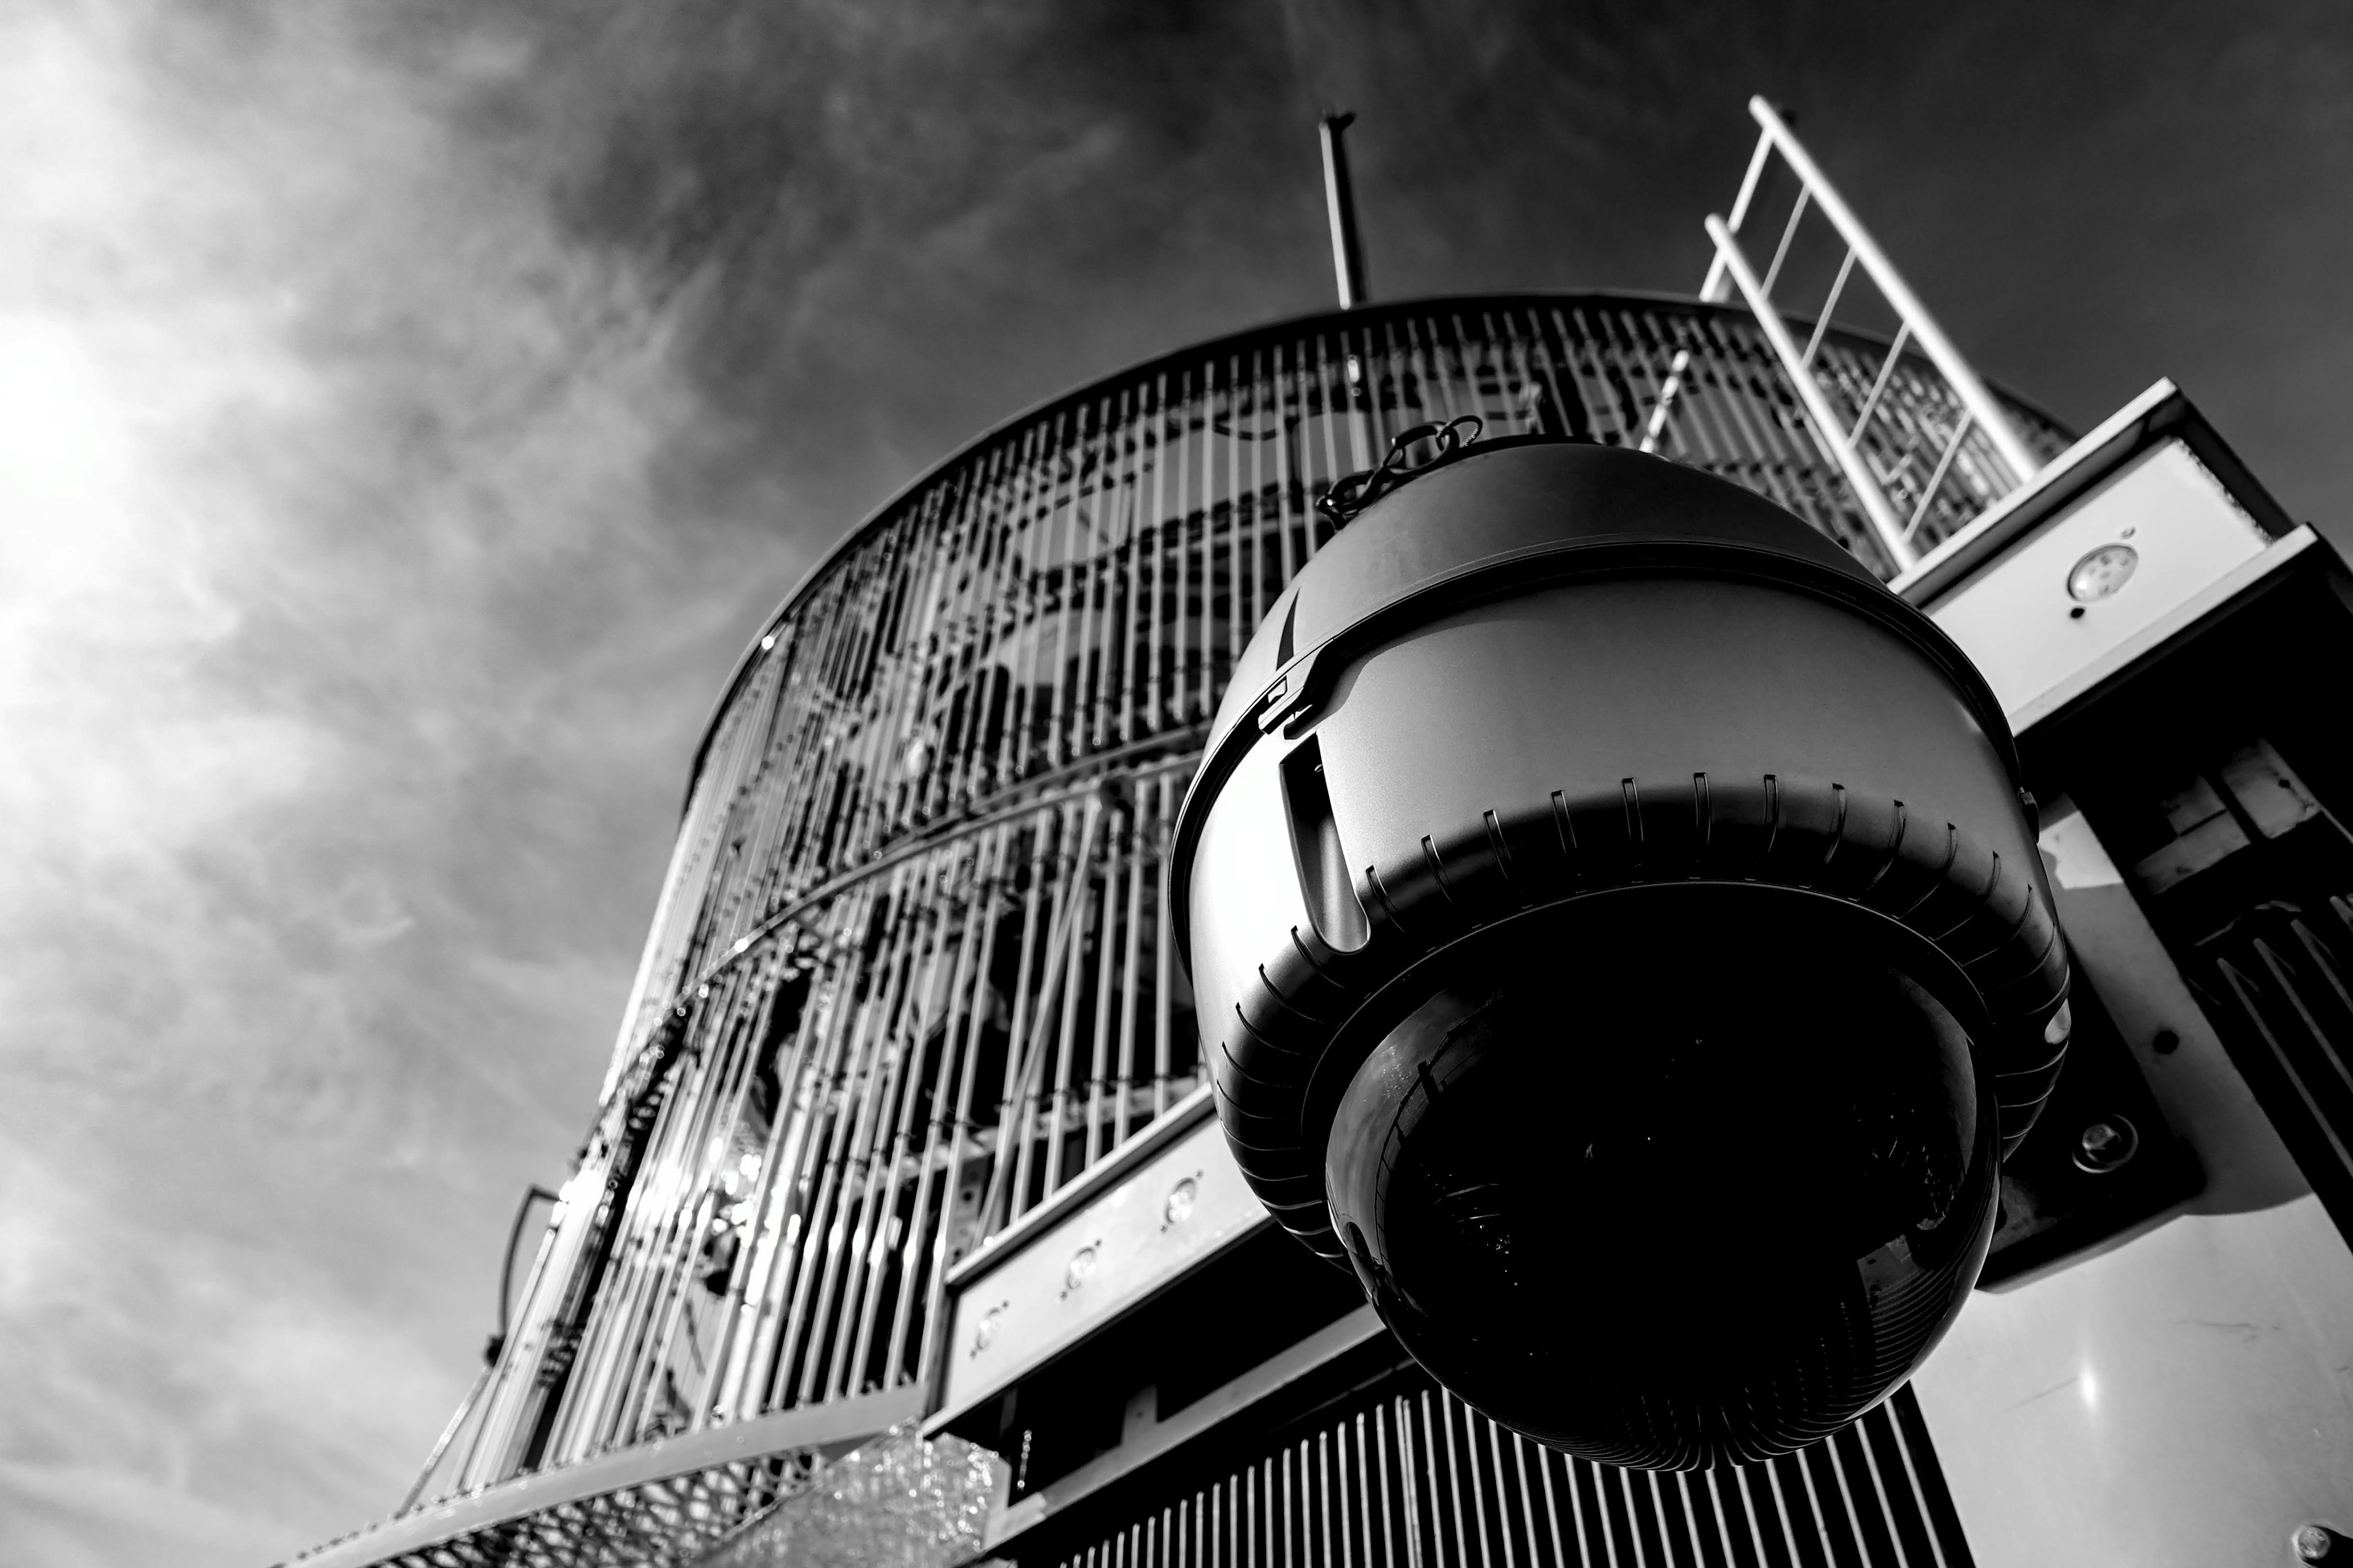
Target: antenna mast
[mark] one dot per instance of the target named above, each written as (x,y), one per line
(1340,206)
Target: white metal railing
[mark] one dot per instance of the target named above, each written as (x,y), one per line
(1880,444)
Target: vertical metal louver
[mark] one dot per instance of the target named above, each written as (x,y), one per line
(2248,878)
(1418,1479)
(2284,975)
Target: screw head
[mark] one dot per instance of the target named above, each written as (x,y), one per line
(1180,1200)
(2314,1544)
(2105,1145)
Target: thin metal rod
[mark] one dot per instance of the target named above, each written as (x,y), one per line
(1492,1465)
(927,1161)
(1120,729)
(1935,480)
(1912,1480)
(1059,1076)
(1788,235)
(441,1444)
(1240,621)
(748,1305)
(1990,415)
(1454,1482)
(886,1165)
(1861,1434)
(1879,386)
(1884,521)
(872,1086)
(726,1152)
(514,1346)
(1830,306)
(1164,942)
(814,1165)
(1340,209)
(987,870)
(1409,1492)
(1101,1076)
(1552,1507)
(1716,289)
(1051,834)
(1659,413)
(780,1176)
(1140,867)
(645,1215)
(1070,902)
(1155,578)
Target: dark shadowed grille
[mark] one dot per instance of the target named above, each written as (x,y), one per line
(1419,1480)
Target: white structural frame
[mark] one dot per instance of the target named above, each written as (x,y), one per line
(1732,270)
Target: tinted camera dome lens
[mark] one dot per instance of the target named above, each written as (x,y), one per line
(1662,1206)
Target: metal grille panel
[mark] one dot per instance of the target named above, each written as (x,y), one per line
(1421,1480)
(824,1142)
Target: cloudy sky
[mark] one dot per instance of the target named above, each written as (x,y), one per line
(408,407)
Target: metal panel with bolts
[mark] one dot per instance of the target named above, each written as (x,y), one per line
(2145,543)
(1016,1308)
(2186,1396)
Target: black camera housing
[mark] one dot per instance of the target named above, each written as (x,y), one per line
(1617,936)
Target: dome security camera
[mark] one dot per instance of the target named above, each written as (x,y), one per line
(1618,937)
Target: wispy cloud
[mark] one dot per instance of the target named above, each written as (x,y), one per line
(326,459)
(388,471)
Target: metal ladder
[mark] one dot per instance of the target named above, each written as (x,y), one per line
(1879,470)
